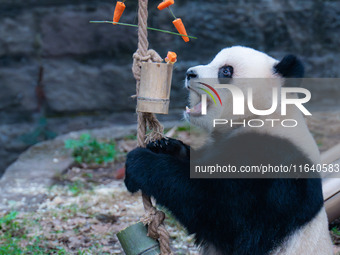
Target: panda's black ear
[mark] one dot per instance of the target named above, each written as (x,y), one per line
(290,67)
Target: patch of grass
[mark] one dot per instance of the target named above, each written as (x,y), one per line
(76,187)
(336,231)
(13,233)
(10,247)
(8,219)
(90,151)
(10,227)
(15,241)
(37,247)
(184,128)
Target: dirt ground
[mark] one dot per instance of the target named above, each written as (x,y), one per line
(82,213)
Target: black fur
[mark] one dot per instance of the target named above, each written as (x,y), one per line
(237,216)
(290,67)
(170,146)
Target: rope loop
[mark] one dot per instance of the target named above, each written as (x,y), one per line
(151,56)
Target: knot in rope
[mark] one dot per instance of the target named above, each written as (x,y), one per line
(156,229)
(155,126)
(153,218)
(151,56)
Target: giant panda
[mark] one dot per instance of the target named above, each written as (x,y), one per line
(239,216)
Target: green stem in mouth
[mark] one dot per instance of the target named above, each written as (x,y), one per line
(208,92)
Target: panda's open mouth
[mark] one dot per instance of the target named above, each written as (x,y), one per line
(196,110)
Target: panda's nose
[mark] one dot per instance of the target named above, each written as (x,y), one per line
(191,74)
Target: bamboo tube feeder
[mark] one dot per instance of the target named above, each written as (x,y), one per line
(155,86)
(134,241)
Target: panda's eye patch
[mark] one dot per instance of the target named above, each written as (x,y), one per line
(226,72)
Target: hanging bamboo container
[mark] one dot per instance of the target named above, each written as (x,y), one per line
(134,241)
(155,86)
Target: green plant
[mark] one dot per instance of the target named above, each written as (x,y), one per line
(10,226)
(184,128)
(76,187)
(10,248)
(14,241)
(10,233)
(336,231)
(89,151)
(8,219)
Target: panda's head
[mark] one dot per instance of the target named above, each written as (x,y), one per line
(238,64)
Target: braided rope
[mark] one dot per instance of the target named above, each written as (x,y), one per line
(153,218)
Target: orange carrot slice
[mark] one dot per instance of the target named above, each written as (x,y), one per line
(181,29)
(165,4)
(120,7)
(171,57)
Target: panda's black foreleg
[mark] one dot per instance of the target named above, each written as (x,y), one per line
(163,173)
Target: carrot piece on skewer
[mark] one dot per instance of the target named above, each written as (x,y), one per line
(120,7)
(181,29)
(165,4)
(171,57)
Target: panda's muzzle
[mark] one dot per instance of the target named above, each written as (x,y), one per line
(191,74)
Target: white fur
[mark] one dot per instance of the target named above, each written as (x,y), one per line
(315,237)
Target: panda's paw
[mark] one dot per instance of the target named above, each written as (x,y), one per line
(170,146)
(130,183)
(137,167)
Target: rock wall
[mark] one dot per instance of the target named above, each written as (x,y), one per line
(87,78)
